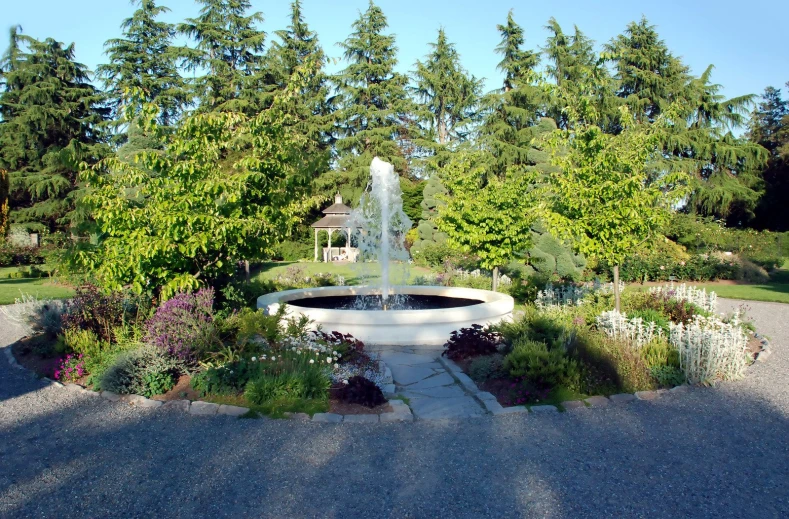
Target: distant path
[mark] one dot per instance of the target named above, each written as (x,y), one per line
(718,452)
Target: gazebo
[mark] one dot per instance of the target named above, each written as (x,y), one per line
(336,219)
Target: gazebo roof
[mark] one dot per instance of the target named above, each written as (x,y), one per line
(337,207)
(337,216)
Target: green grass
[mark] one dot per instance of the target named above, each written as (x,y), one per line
(771,292)
(273,409)
(12,289)
(352,272)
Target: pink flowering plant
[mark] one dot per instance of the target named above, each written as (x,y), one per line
(71,368)
(183,326)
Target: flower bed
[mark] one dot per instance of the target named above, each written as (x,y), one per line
(558,353)
(128,345)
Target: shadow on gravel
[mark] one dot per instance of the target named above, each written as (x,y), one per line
(704,453)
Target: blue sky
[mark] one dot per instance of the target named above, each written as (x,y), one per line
(744,42)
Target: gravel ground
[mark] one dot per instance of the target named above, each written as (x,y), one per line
(710,452)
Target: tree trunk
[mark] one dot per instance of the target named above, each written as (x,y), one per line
(617,295)
(246,270)
(495,279)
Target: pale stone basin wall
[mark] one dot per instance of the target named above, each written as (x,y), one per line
(396,327)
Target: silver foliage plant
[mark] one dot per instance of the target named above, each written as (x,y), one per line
(618,326)
(691,294)
(710,349)
(571,295)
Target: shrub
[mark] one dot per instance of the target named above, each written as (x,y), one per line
(128,372)
(611,364)
(650,315)
(307,384)
(710,349)
(293,251)
(257,328)
(534,362)
(487,367)
(157,383)
(184,325)
(660,352)
(471,342)
(90,309)
(359,390)
(668,376)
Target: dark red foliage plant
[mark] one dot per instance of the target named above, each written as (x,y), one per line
(360,390)
(471,342)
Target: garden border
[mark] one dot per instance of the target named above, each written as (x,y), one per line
(401,412)
(491,405)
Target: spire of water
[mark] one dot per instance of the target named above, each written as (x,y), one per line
(383,224)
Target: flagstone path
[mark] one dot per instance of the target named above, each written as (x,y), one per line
(432,392)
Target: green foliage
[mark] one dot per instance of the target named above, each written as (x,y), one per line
(307,384)
(429,235)
(129,370)
(191,221)
(429,253)
(769,127)
(485,215)
(668,376)
(611,365)
(372,99)
(157,383)
(51,121)
(549,256)
(144,60)
(660,353)
(289,250)
(486,367)
(534,362)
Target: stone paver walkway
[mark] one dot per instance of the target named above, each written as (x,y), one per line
(432,393)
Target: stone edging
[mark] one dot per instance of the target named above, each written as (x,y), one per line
(401,412)
(492,406)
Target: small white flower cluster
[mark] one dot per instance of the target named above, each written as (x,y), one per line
(605,288)
(618,326)
(371,372)
(308,346)
(566,295)
(691,294)
(711,349)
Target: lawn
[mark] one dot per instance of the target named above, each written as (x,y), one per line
(771,292)
(12,289)
(352,272)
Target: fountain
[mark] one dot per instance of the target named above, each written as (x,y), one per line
(390,312)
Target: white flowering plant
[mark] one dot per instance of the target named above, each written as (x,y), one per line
(691,294)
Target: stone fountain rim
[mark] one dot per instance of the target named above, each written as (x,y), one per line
(486,297)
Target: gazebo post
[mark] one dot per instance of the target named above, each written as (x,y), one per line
(316,245)
(328,258)
(348,245)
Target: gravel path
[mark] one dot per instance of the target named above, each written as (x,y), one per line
(712,452)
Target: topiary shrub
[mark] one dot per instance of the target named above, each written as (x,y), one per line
(361,391)
(549,256)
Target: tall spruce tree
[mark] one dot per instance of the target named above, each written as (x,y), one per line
(51,120)
(769,127)
(374,106)
(298,48)
(447,95)
(512,112)
(145,62)
(229,49)
(648,76)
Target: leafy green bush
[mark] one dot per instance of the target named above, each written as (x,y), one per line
(227,379)
(434,254)
(157,383)
(610,364)
(534,362)
(293,251)
(668,376)
(487,367)
(660,353)
(307,384)
(128,372)
(651,315)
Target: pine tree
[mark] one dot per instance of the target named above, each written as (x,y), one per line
(769,127)
(372,119)
(145,62)
(51,120)
(4,188)
(229,48)
(512,112)
(447,94)
(649,77)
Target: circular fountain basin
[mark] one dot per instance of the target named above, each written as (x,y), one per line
(446,309)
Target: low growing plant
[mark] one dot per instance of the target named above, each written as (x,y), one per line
(534,362)
(487,367)
(128,372)
(184,325)
(359,390)
(471,342)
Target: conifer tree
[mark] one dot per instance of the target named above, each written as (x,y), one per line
(649,77)
(512,112)
(372,119)
(447,94)
(144,59)
(769,127)
(229,48)
(51,120)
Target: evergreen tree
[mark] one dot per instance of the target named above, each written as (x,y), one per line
(145,62)
(4,188)
(648,76)
(299,48)
(230,51)
(512,112)
(579,74)
(372,119)
(51,120)
(769,127)
(447,94)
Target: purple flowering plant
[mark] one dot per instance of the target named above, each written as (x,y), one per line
(183,326)
(71,368)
